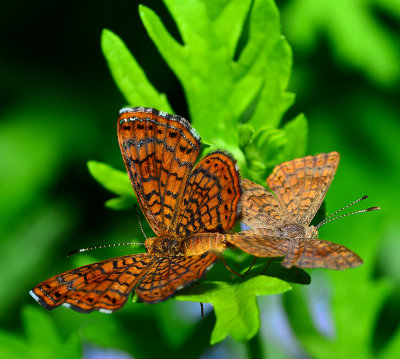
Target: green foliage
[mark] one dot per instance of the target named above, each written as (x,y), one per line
(267,146)
(41,340)
(128,75)
(235,304)
(353,30)
(222,91)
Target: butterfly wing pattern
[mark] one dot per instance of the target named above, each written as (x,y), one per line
(103,286)
(300,185)
(280,219)
(159,151)
(186,205)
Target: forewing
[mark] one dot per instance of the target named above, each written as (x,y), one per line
(172,273)
(103,286)
(316,253)
(159,151)
(259,206)
(300,185)
(259,243)
(210,201)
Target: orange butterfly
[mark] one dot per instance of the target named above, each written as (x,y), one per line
(280,220)
(186,205)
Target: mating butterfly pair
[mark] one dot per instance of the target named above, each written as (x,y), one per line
(189,207)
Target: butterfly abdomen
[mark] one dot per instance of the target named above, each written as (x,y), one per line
(200,243)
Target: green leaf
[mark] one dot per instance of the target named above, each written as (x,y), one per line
(129,76)
(42,339)
(217,86)
(263,151)
(116,182)
(234,303)
(34,318)
(392,349)
(296,134)
(120,203)
(12,346)
(267,147)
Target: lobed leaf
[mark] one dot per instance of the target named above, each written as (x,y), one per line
(234,303)
(129,76)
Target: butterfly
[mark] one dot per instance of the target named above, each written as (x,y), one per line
(187,205)
(280,220)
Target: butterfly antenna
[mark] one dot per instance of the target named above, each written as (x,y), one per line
(331,217)
(140,223)
(104,246)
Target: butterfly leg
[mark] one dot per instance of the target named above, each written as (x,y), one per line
(266,267)
(251,265)
(230,269)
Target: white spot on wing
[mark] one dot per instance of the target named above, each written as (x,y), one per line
(125,109)
(67,305)
(106,311)
(34,296)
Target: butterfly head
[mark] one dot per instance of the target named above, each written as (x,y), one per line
(311,232)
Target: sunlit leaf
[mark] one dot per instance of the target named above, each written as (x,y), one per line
(129,76)
(235,304)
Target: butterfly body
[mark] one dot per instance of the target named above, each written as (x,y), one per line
(293,231)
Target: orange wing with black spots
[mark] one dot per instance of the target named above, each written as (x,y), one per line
(210,201)
(103,286)
(172,273)
(301,185)
(159,151)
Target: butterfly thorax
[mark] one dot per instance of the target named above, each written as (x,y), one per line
(164,246)
(291,231)
(296,231)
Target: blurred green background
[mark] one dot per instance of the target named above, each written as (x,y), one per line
(58,110)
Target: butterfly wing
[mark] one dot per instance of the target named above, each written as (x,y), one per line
(259,206)
(259,243)
(210,201)
(159,151)
(301,185)
(103,286)
(172,273)
(316,253)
